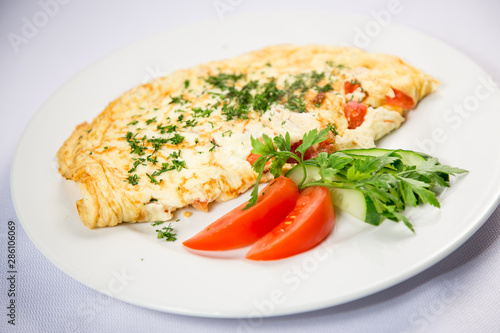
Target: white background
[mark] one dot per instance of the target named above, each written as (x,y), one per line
(461,293)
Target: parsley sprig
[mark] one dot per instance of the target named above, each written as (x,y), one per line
(388,185)
(278,151)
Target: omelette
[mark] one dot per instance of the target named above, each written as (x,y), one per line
(184,139)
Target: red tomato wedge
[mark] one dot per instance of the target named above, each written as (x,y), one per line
(355,113)
(242,227)
(306,226)
(400,99)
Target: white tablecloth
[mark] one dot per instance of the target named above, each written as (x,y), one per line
(44,43)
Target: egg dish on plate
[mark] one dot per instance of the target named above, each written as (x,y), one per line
(184,139)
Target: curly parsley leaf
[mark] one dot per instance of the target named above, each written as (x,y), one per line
(311,138)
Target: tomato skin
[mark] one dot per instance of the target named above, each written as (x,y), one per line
(355,113)
(400,99)
(251,158)
(309,223)
(349,87)
(326,146)
(242,227)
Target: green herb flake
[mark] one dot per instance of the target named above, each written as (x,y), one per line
(223,80)
(166,128)
(167,233)
(176,139)
(152,120)
(178,100)
(190,123)
(215,145)
(152,178)
(133,179)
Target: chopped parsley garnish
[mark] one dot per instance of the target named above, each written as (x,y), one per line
(190,123)
(269,95)
(224,80)
(176,139)
(178,100)
(152,178)
(326,88)
(137,162)
(215,145)
(333,129)
(296,104)
(316,77)
(164,168)
(178,165)
(167,233)
(254,96)
(235,111)
(137,146)
(152,158)
(154,224)
(157,143)
(339,66)
(133,179)
(204,113)
(166,128)
(227,133)
(175,154)
(152,120)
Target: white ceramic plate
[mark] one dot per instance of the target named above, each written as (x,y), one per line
(457,124)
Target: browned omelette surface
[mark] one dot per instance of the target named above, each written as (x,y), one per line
(184,139)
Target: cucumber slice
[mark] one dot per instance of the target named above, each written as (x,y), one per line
(408,157)
(297,173)
(355,203)
(351,201)
(411,158)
